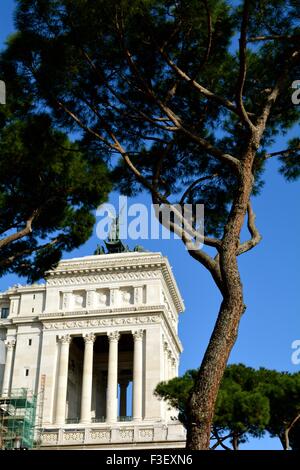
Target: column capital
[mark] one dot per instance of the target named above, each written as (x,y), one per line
(166,346)
(138,335)
(89,337)
(113,336)
(65,339)
(170,355)
(10,344)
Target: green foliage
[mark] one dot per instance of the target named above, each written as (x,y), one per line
(73,52)
(42,172)
(176,392)
(283,393)
(249,402)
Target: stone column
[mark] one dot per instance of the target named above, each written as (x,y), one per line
(10,345)
(170,365)
(173,367)
(87,379)
(112,379)
(137,375)
(62,382)
(166,362)
(90,299)
(123,397)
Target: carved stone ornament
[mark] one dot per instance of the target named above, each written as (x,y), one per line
(65,339)
(73,436)
(126,434)
(100,278)
(113,336)
(146,434)
(89,338)
(50,437)
(100,435)
(138,335)
(102,322)
(10,344)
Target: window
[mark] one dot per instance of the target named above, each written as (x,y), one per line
(29,342)
(32,310)
(26,372)
(33,296)
(4,312)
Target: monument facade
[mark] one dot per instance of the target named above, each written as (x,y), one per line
(92,343)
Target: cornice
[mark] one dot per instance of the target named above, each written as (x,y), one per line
(108,321)
(116,267)
(103,311)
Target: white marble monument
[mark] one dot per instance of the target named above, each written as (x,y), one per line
(93,342)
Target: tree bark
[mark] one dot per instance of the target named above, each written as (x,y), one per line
(203,398)
(204,394)
(235,442)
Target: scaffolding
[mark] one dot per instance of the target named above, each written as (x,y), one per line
(17,419)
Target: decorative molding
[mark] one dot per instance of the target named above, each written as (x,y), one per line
(73,436)
(146,434)
(50,437)
(104,322)
(108,263)
(10,344)
(100,435)
(138,335)
(100,278)
(96,311)
(126,434)
(89,338)
(113,336)
(65,339)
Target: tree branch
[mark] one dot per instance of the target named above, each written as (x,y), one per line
(273,37)
(204,91)
(272,97)
(243,65)
(283,153)
(194,184)
(21,233)
(221,440)
(11,259)
(255,235)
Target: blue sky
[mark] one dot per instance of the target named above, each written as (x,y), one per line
(270,276)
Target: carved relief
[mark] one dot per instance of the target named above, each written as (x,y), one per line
(50,437)
(138,335)
(113,336)
(146,434)
(121,276)
(100,435)
(126,434)
(90,299)
(89,338)
(73,436)
(102,297)
(170,314)
(65,339)
(63,325)
(126,295)
(66,300)
(10,344)
(79,299)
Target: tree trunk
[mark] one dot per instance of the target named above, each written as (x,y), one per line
(204,394)
(235,442)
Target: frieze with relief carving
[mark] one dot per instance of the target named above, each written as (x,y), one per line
(103,322)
